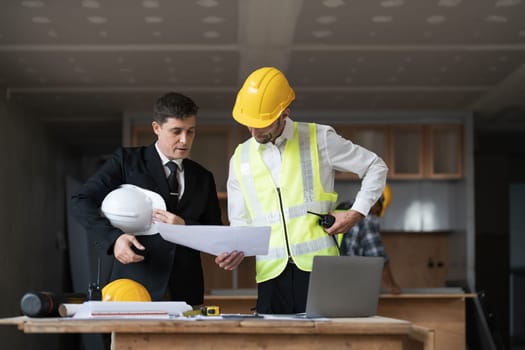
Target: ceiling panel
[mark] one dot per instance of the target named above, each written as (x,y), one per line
(78,61)
(404,22)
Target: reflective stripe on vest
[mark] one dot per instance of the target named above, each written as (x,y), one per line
(295,233)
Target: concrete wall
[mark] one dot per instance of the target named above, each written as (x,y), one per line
(33,247)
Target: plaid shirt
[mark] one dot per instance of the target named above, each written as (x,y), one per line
(364,239)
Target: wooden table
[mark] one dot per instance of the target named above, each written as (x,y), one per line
(356,334)
(442,312)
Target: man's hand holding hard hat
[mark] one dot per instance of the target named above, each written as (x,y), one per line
(131,209)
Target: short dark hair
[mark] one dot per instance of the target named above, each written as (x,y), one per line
(173,105)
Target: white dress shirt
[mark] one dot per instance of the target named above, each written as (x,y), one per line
(335,153)
(167,171)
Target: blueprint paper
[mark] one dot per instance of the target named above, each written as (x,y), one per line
(215,239)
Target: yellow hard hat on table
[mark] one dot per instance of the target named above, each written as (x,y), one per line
(264,95)
(125,289)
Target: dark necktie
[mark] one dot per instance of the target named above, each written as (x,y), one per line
(173,184)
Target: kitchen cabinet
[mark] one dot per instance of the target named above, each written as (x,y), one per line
(372,137)
(445,144)
(412,151)
(417,259)
(406,152)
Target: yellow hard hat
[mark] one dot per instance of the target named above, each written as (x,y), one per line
(386,199)
(264,95)
(124,289)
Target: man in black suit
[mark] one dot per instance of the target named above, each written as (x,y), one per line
(168,271)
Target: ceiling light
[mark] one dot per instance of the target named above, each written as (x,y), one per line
(153,19)
(382,19)
(326,19)
(211,34)
(322,33)
(333,3)
(392,3)
(496,19)
(151,4)
(97,19)
(90,4)
(436,19)
(507,3)
(449,3)
(207,3)
(32,4)
(40,20)
(212,20)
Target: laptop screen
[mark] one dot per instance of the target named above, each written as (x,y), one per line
(344,286)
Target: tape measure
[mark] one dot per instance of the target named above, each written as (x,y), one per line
(204,311)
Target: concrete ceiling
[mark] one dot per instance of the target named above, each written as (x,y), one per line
(79,65)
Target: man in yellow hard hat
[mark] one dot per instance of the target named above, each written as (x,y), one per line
(364,238)
(279,177)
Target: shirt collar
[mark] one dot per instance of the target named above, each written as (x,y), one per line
(165,159)
(285,135)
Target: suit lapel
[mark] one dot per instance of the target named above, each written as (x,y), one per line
(189,180)
(154,165)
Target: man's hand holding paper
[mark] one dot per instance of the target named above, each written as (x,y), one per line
(231,243)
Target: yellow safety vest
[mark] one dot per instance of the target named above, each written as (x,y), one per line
(295,234)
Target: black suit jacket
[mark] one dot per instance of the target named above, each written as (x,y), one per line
(166,265)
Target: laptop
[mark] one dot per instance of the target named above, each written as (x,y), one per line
(344,286)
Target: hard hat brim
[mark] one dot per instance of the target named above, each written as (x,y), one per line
(254,122)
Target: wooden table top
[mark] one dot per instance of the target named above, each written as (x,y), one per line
(367,325)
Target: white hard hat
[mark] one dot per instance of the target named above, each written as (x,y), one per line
(129,208)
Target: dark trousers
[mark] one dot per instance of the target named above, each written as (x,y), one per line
(285,294)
